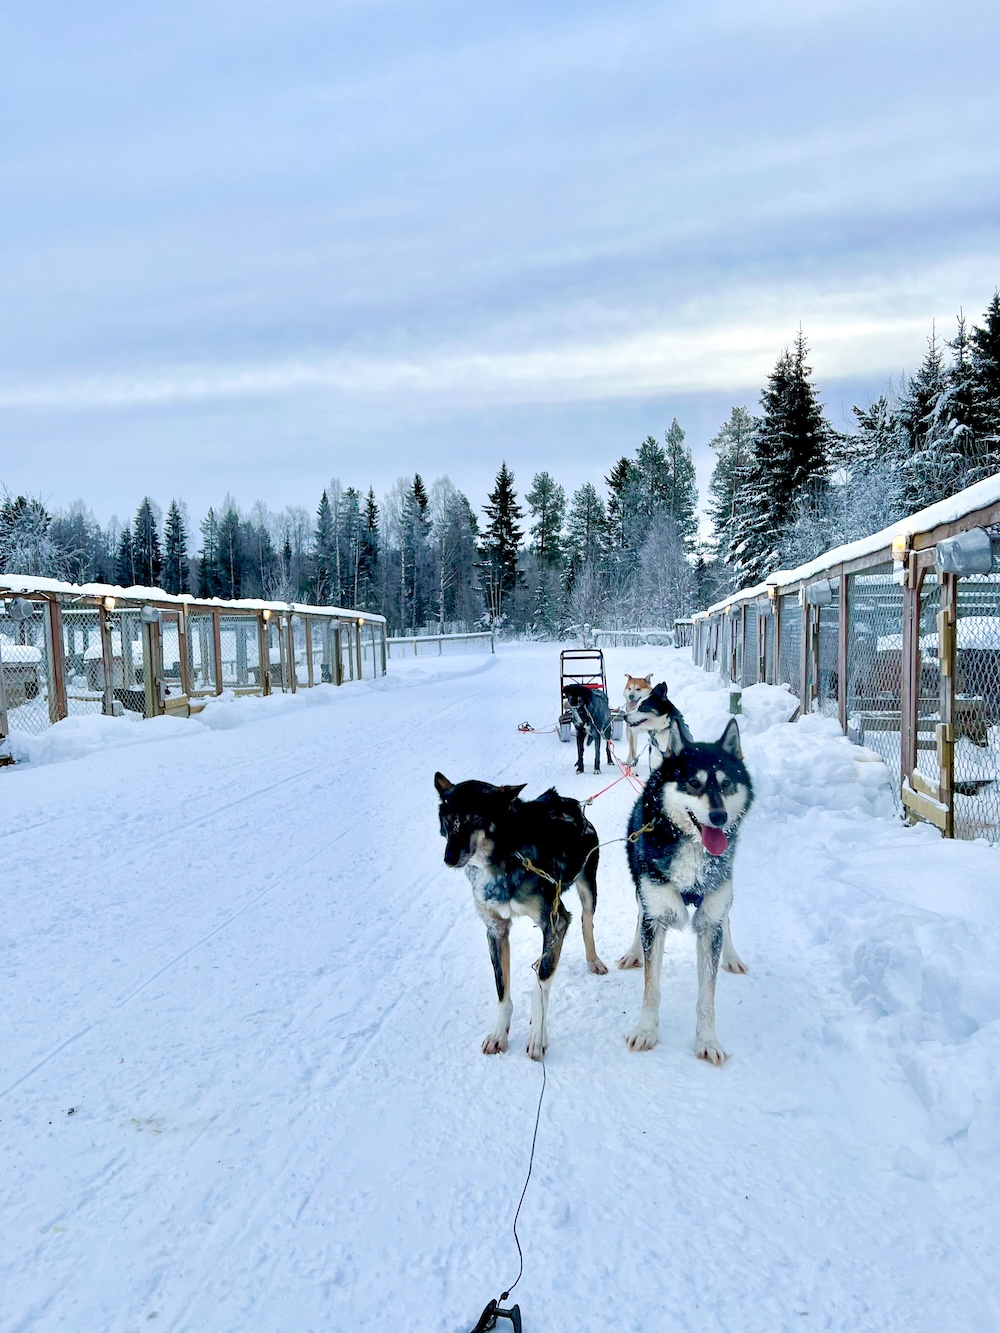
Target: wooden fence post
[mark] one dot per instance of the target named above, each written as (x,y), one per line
(57,664)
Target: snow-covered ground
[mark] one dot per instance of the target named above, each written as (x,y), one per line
(243,998)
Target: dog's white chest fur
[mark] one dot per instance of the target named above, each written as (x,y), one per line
(687,863)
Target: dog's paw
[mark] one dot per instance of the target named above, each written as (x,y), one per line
(579,768)
(536,1047)
(630,960)
(711,1052)
(597,967)
(642,1039)
(736,965)
(494,1043)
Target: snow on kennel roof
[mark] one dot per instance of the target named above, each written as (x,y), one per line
(949,510)
(20,584)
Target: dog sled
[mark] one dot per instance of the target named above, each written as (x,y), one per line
(584,666)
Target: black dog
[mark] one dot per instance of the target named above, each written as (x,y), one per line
(652,717)
(592,719)
(682,839)
(519,857)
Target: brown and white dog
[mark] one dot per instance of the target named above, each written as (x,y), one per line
(637,688)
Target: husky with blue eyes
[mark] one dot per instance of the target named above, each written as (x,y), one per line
(520,857)
(682,840)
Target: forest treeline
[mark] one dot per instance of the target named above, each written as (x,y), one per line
(786,486)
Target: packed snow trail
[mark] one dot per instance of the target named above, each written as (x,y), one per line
(233,951)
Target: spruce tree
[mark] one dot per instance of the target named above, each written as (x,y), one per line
(230,554)
(323,561)
(734,448)
(175,557)
(619,482)
(209,578)
(587,527)
(147,558)
(547,502)
(681,499)
(985,355)
(125,561)
(933,467)
(791,460)
(500,543)
(368,559)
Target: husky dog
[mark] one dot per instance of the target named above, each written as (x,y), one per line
(682,839)
(592,719)
(519,857)
(637,688)
(652,717)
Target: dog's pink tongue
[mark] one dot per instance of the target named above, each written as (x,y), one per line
(713,840)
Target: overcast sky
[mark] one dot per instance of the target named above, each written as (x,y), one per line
(249,245)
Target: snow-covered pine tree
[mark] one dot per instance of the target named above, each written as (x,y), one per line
(368,555)
(175,555)
(147,557)
(933,466)
(500,542)
(734,449)
(681,499)
(791,461)
(587,527)
(984,351)
(26,544)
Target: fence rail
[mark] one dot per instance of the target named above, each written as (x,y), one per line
(418,645)
(898,638)
(631,638)
(68,650)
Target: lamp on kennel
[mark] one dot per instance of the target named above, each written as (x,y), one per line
(20,609)
(972,552)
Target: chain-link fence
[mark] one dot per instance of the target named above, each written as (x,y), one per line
(67,651)
(789,667)
(976,780)
(24,653)
(897,637)
(874,663)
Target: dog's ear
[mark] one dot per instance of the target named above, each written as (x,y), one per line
(511,793)
(660,690)
(649,681)
(730,741)
(679,736)
(443,785)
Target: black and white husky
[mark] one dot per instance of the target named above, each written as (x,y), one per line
(592,719)
(520,856)
(652,717)
(682,840)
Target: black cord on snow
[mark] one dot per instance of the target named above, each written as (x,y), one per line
(488,1319)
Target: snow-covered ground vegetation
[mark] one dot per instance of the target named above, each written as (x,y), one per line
(242,1086)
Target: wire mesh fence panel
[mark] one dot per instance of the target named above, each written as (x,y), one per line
(828,678)
(128,684)
(976,781)
(240,641)
(750,659)
(790,642)
(347,653)
(201,653)
(324,667)
(83,660)
(875,664)
(24,654)
(170,655)
(299,660)
(275,656)
(769,646)
(725,655)
(927,674)
(369,651)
